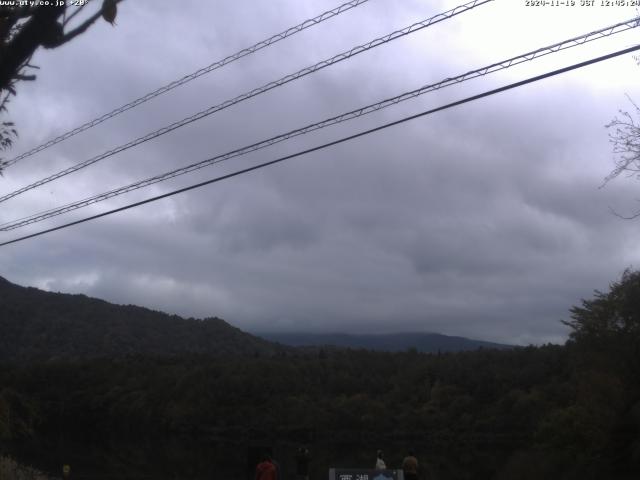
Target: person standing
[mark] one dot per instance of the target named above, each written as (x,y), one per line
(380,465)
(266,470)
(410,466)
(302,464)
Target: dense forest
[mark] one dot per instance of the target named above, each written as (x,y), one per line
(569,411)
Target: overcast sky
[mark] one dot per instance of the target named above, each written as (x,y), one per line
(484,220)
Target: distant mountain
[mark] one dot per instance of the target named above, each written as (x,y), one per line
(422,342)
(39,325)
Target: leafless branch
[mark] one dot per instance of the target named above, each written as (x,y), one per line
(76,11)
(80,28)
(83,26)
(20,76)
(626,143)
(4,101)
(632,217)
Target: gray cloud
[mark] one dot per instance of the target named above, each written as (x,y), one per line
(484,220)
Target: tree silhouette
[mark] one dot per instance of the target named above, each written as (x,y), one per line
(625,139)
(24,29)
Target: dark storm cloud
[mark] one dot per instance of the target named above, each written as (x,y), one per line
(484,220)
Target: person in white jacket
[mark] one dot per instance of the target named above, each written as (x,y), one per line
(380,465)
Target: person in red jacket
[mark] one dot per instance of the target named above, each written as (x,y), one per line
(265,469)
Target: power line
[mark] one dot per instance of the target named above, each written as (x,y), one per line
(335,142)
(187,78)
(257,91)
(601,33)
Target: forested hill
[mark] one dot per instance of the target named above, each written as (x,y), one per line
(39,325)
(395,342)
(561,412)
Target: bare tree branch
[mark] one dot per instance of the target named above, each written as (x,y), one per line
(80,28)
(632,217)
(77,11)
(19,76)
(84,25)
(625,140)
(25,28)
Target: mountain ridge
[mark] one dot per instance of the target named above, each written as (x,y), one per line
(425,342)
(41,325)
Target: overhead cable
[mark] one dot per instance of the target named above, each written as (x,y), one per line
(504,64)
(192,76)
(257,91)
(329,144)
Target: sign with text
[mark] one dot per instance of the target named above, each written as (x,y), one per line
(364,474)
